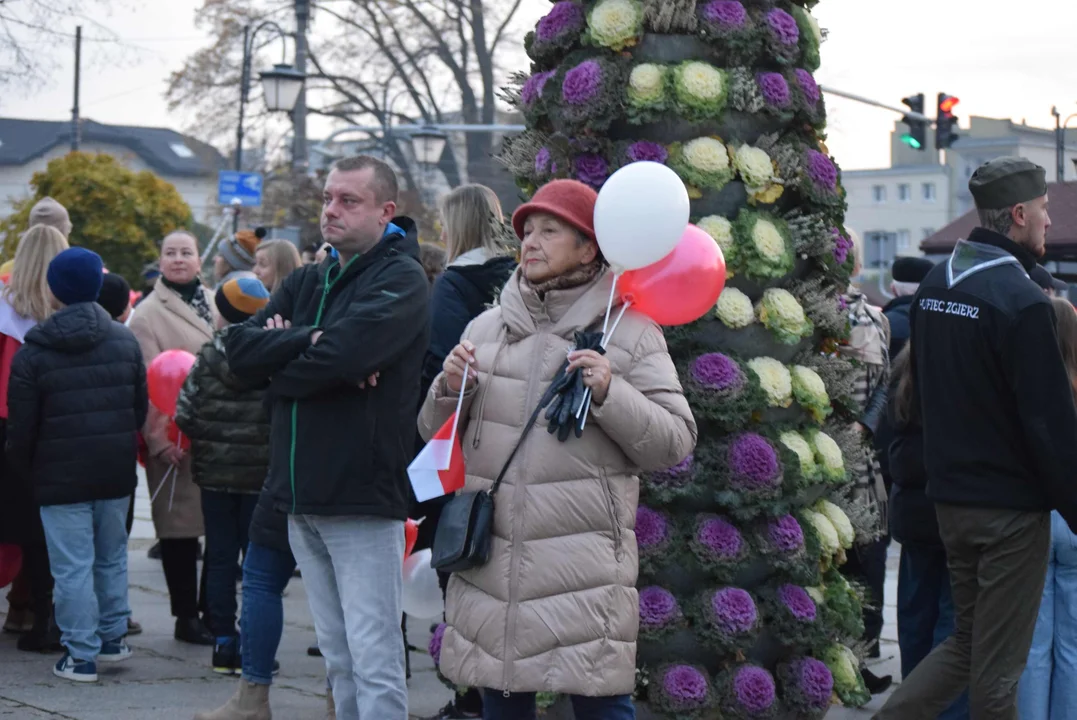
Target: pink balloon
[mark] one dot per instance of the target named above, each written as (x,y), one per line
(681,287)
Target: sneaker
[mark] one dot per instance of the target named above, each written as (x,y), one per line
(69,668)
(114,651)
(226,659)
(193,631)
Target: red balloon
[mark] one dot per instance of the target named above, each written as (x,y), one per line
(10,563)
(681,287)
(411,535)
(174,436)
(165,377)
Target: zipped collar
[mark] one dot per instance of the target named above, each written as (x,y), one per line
(984,250)
(392,241)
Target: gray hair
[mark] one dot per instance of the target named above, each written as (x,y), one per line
(903,289)
(1000,220)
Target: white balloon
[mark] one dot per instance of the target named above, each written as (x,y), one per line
(422,593)
(641,214)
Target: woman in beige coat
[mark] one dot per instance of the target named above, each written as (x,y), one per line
(555,609)
(179,315)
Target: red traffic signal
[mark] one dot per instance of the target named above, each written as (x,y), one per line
(947,103)
(945,121)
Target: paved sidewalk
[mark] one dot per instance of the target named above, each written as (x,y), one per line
(168,680)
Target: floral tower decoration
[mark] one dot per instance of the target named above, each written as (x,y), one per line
(743,613)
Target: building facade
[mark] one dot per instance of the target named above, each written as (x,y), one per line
(27,146)
(895,209)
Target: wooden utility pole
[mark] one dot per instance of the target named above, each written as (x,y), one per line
(75,127)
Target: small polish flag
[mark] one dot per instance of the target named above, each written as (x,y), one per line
(438,469)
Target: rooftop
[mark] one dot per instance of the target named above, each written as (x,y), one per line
(166,151)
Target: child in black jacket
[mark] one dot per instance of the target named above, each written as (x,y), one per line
(76,400)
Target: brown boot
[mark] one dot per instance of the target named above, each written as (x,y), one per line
(330,707)
(251,702)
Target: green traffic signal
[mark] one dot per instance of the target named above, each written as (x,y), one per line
(911,141)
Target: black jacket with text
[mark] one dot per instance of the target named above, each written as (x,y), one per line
(76,400)
(999,420)
(336,449)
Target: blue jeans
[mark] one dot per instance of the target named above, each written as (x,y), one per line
(1047,690)
(266,572)
(925,612)
(88,554)
(228,518)
(521,706)
(352,572)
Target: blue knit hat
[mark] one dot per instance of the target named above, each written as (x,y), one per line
(240,298)
(75,276)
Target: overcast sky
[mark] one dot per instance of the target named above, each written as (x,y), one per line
(1002,59)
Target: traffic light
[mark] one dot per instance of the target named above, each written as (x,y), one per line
(945,122)
(916,137)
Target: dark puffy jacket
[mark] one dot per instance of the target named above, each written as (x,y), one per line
(225,417)
(336,448)
(460,295)
(77,398)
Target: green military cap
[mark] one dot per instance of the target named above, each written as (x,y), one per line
(1007,181)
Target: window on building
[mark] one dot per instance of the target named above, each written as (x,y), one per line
(878,249)
(878,193)
(181,150)
(904,192)
(903,241)
(928,192)
(926,233)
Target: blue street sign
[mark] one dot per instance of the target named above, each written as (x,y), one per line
(244,187)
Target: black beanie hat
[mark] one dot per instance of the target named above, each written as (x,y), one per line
(115,295)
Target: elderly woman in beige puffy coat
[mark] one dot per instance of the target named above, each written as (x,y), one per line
(555,609)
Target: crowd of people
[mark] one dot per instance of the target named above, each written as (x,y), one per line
(318,376)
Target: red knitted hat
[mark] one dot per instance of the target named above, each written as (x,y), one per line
(567,200)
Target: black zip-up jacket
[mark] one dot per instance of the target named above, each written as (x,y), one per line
(336,449)
(225,417)
(997,406)
(76,400)
(897,314)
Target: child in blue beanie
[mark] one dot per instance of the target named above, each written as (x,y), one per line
(76,400)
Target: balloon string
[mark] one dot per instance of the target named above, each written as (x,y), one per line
(609,305)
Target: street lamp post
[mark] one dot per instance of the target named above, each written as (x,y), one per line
(281,85)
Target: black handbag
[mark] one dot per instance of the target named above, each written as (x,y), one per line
(462,538)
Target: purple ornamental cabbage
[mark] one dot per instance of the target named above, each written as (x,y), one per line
(657,607)
(685,685)
(815,683)
(435,643)
(808,86)
(785,534)
(565,17)
(842,246)
(718,536)
(753,461)
(821,170)
(675,476)
(843,304)
(753,688)
(774,88)
(532,89)
(783,26)
(592,169)
(734,610)
(542,161)
(716,371)
(651,527)
(725,13)
(582,83)
(645,150)
(798,602)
